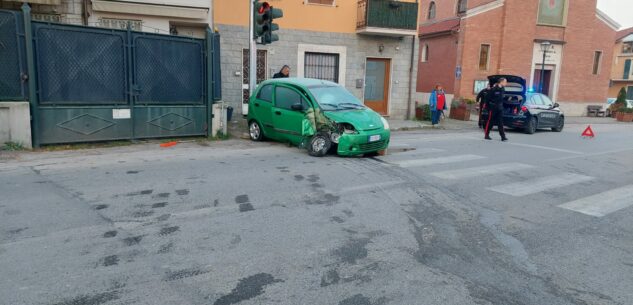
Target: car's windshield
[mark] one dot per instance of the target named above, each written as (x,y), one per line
(335,98)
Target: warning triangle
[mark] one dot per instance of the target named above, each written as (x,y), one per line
(588,132)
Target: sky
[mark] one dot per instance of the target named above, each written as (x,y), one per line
(620,10)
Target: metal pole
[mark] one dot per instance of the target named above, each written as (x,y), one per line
(252,62)
(543,71)
(30,63)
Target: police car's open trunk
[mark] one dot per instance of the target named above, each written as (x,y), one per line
(515,91)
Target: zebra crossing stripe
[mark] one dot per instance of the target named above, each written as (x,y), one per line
(519,189)
(604,203)
(474,172)
(434,161)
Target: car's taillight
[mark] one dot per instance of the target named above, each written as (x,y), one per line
(515,110)
(524,109)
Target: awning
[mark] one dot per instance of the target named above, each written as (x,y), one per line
(148,9)
(628,38)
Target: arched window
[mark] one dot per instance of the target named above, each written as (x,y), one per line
(431,11)
(462,6)
(425,53)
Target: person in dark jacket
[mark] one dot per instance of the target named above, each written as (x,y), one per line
(283,73)
(481,99)
(437,104)
(495,99)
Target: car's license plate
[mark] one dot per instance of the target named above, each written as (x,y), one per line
(374,138)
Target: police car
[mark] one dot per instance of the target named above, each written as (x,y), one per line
(524,110)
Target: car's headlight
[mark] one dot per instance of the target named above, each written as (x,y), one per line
(385,124)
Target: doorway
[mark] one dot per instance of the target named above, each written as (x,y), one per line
(547,78)
(260,73)
(377,80)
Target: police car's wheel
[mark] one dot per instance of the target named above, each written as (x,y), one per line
(531,126)
(560,125)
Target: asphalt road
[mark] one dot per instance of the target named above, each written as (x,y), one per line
(445,218)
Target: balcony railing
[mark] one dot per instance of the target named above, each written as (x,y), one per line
(387,14)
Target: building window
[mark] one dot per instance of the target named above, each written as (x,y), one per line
(627,47)
(627,69)
(110,23)
(425,53)
(484,57)
(596,62)
(321,66)
(552,12)
(322,2)
(431,14)
(462,6)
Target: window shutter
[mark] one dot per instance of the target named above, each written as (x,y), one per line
(627,69)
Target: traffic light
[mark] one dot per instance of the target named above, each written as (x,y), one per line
(261,13)
(263,25)
(270,27)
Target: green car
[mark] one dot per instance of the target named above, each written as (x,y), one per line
(316,114)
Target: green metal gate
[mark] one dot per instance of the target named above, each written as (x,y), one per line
(93,84)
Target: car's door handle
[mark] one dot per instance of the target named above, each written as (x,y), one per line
(256,104)
(278,112)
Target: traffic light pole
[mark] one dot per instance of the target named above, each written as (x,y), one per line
(252,58)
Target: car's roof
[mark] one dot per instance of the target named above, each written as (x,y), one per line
(303,82)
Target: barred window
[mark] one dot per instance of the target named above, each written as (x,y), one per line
(323,66)
(484,57)
(431,14)
(462,6)
(111,23)
(596,62)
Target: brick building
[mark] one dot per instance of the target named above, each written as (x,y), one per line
(622,71)
(368,46)
(463,41)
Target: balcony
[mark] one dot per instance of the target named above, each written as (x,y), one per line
(387,18)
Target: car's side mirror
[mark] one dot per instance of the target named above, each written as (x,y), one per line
(556,105)
(297,107)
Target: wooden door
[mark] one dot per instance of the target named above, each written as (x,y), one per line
(377,81)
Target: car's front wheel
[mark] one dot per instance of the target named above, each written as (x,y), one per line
(255,131)
(559,125)
(319,145)
(531,126)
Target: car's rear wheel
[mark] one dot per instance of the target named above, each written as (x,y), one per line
(255,131)
(319,145)
(559,125)
(531,126)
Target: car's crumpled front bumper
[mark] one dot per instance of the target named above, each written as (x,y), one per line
(357,144)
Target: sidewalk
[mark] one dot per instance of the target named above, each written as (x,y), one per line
(238,127)
(445,124)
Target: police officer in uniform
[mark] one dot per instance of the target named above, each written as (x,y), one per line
(483,101)
(495,109)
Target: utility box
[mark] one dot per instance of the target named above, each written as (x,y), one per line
(15,123)
(218,124)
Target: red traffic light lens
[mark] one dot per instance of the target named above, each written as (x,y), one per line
(265,6)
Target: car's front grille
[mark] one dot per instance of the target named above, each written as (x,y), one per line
(372,146)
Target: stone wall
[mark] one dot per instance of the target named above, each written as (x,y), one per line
(285,52)
(70,11)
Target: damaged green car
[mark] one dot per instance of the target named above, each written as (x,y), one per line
(315,114)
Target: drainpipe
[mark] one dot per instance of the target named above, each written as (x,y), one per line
(85,14)
(410,77)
